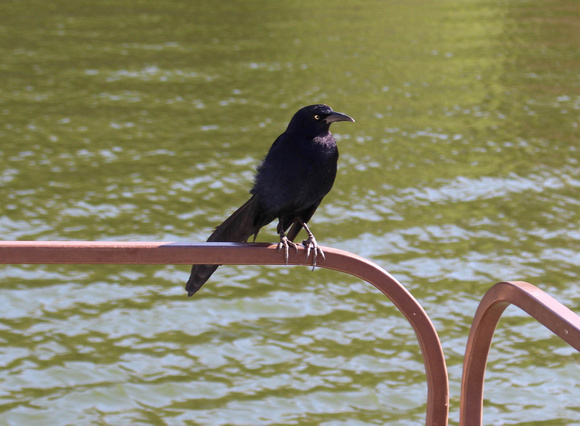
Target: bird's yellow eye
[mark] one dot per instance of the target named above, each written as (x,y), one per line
(316,117)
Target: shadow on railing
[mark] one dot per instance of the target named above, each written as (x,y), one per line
(552,314)
(538,304)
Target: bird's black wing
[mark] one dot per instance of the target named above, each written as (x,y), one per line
(242,224)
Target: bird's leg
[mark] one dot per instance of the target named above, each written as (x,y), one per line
(312,244)
(285,243)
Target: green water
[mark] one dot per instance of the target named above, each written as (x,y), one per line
(144,120)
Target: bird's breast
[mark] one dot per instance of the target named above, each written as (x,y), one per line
(298,172)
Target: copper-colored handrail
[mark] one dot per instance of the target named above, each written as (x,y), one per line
(544,308)
(18,252)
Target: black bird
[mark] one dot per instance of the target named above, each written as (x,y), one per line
(289,185)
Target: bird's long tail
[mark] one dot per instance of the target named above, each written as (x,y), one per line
(242,224)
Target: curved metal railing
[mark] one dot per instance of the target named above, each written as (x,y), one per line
(545,309)
(538,304)
(151,253)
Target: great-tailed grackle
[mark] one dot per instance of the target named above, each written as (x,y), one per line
(297,173)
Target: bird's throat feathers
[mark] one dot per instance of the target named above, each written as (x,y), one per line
(324,142)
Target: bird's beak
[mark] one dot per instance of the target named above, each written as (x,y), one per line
(337,116)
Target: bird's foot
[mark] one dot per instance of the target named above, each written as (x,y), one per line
(284,244)
(312,245)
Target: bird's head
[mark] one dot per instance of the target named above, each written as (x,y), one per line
(315,119)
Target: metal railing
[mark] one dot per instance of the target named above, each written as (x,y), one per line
(148,253)
(549,312)
(536,303)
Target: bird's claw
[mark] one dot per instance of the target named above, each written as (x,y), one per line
(284,244)
(312,245)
